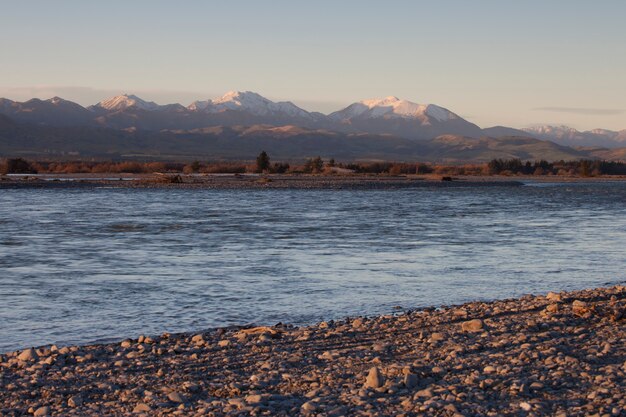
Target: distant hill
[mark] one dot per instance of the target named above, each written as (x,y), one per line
(238,124)
(568,136)
(502,131)
(454,148)
(389,115)
(52,112)
(282,143)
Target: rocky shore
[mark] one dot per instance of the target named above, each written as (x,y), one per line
(253,181)
(562,354)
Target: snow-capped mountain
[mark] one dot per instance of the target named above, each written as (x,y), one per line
(389,116)
(126,101)
(390,107)
(403,118)
(553,131)
(565,135)
(250,102)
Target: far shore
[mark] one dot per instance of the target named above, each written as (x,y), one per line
(289,181)
(559,354)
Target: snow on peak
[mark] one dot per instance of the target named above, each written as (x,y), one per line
(250,102)
(56,100)
(127,100)
(392,106)
(551,130)
(605,132)
(237,100)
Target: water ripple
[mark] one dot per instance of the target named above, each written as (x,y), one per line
(100,264)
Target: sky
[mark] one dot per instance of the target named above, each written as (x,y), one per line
(493,62)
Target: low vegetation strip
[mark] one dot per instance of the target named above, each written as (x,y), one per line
(562,354)
(317,165)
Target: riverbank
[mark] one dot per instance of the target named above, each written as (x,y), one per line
(560,354)
(253,181)
(279,181)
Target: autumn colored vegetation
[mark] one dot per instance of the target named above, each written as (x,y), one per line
(317,165)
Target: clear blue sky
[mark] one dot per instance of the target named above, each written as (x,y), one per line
(492,61)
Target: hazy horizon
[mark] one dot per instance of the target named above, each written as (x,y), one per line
(491,63)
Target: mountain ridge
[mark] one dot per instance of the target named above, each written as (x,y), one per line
(380,116)
(282,142)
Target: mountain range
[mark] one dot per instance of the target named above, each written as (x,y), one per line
(378,128)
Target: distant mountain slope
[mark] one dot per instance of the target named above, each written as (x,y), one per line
(402,118)
(245,142)
(379,116)
(389,116)
(126,101)
(456,148)
(53,112)
(502,131)
(568,136)
(252,103)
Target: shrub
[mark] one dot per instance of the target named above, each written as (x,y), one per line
(18,166)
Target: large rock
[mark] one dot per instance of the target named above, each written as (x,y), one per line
(580,307)
(28,355)
(475,325)
(374,379)
(552,296)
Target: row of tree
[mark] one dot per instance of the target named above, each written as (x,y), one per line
(583,167)
(318,165)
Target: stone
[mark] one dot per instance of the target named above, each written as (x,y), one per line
(309,406)
(197,339)
(536,386)
(175,397)
(436,337)
(237,402)
(374,378)
(265,337)
(525,406)
(475,325)
(254,399)
(489,369)
(425,393)
(142,408)
(580,307)
(410,380)
(552,308)
(552,296)
(223,343)
(437,370)
(28,355)
(75,401)
(42,411)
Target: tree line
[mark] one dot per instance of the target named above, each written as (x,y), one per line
(582,167)
(318,165)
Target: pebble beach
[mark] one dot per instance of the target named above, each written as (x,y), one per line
(558,354)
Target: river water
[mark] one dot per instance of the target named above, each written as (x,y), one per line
(80,265)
